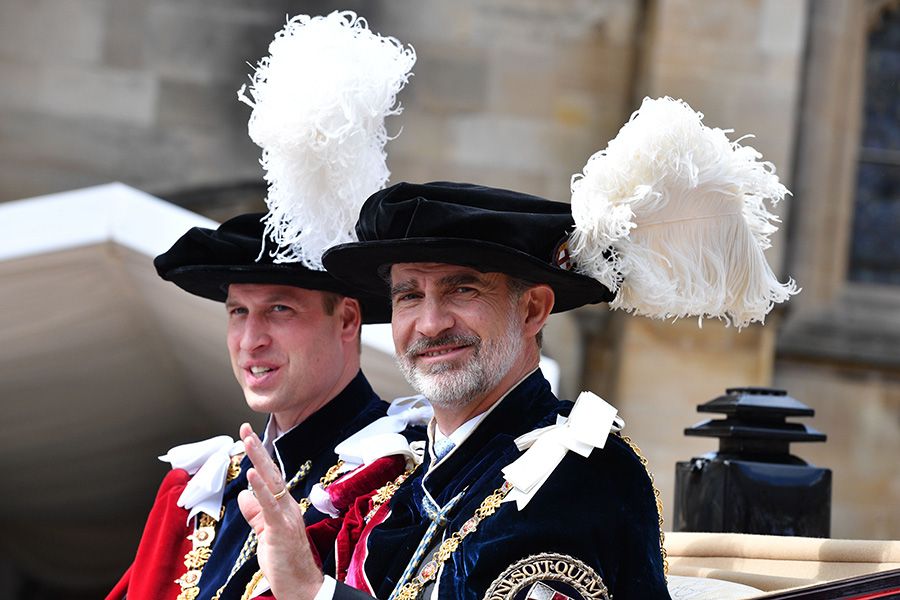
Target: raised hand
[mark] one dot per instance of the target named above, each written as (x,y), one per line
(283,549)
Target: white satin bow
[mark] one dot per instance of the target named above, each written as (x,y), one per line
(587,427)
(379,438)
(207,462)
(382,437)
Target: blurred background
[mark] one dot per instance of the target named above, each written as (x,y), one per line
(103,367)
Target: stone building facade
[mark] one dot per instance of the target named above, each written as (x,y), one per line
(518,93)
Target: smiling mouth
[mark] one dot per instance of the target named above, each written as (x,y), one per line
(258,375)
(445,348)
(442,352)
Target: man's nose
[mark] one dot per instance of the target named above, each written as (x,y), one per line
(255,334)
(434,318)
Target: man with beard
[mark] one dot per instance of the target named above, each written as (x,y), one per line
(522,496)
(293,339)
(501,507)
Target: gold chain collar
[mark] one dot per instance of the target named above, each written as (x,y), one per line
(205,533)
(387,491)
(429,572)
(201,541)
(489,506)
(331,475)
(657,495)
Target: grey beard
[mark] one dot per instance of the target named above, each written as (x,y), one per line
(455,386)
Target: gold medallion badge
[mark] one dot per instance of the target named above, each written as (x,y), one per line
(548,577)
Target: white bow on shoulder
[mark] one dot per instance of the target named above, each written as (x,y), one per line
(586,428)
(383,436)
(207,462)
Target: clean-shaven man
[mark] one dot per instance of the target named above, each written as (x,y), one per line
(293,339)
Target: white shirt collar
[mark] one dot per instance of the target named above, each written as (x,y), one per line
(271,435)
(457,437)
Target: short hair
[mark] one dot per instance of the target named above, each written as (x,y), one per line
(517,287)
(330,300)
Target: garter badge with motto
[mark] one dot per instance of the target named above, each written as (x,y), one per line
(548,577)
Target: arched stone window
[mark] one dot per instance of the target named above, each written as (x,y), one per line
(845,214)
(875,245)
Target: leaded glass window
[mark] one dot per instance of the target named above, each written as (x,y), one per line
(875,250)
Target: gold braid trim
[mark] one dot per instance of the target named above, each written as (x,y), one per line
(387,491)
(249,548)
(201,541)
(411,590)
(659,504)
(248,592)
(332,474)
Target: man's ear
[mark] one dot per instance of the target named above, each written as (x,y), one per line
(539,302)
(350,313)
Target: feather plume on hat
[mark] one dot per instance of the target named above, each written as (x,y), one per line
(672,215)
(319,103)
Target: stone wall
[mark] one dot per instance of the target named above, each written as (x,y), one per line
(507,93)
(739,63)
(839,346)
(141,92)
(510,93)
(514,93)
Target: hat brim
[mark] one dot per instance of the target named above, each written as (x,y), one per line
(360,265)
(212,281)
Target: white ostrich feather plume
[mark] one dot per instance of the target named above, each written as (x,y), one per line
(319,103)
(672,215)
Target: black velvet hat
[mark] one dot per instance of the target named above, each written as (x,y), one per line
(488,229)
(205,261)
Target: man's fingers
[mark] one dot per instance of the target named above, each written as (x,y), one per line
(251,510)
(265,466)
(259,507)
(264,497)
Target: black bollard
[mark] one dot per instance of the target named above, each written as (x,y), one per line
(753,484)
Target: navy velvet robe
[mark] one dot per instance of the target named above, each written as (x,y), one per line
(600,510)
(314,439)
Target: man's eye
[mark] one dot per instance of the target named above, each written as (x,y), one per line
(405,297)
(237,311)
(280,308)
(465,290)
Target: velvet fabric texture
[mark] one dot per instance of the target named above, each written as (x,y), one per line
(488,229)
(314,439)
(352,496)
(160,558)
(160,554)
(205,261)
(359,484)
(600,510)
